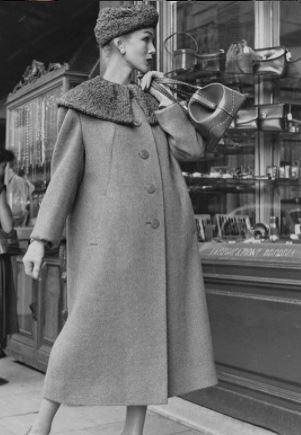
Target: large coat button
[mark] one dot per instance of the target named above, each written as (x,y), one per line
(144,154)
(151,188)
(137,123)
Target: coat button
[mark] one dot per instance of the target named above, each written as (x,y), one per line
(151,188)
(155,223)
(144,154)
(137,123)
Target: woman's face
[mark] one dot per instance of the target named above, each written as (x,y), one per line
(139,49)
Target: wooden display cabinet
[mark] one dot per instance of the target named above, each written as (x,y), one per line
(31,135)
(42,311)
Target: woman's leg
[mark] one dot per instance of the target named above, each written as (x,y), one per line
(135,416)
(42,424)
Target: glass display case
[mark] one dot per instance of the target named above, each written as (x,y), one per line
(31,134)
(251,183)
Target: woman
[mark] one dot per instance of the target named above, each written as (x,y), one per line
(8,312)
(138,330)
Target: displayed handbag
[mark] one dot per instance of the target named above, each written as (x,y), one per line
(182,58)
(280,117)
(271,60)
(247,119)
(239,58)
(211,62)
(211,108)
(185,59)
(293,67)
(8,242)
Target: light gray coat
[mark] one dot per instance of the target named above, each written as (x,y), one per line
(138,329)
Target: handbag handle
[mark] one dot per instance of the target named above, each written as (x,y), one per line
(168,81)
(180,33)
(199,97)
(156,85)
(204,101)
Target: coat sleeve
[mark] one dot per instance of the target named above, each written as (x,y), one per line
(185,142)
(66,174)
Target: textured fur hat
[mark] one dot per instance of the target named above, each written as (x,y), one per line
(116,21)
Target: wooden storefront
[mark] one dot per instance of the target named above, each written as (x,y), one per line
(253,285)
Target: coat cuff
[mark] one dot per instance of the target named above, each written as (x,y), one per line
(47,243)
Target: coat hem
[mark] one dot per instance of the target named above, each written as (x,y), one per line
(98,402)
(91,402)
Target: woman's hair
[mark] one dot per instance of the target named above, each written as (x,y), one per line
(107,50)
(6,156)
(2,156)
(10,156)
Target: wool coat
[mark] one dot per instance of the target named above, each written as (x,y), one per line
(138,329)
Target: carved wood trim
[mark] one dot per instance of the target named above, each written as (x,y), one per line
(265,385)
(254,296)
(252,281)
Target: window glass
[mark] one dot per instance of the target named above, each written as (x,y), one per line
(287,192)
(216,24)
(224,182)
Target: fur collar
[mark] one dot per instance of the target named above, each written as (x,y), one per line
(110,101)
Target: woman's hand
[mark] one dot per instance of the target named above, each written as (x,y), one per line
(147,79)
(146,85)
(33,258)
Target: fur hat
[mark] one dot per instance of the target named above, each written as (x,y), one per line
(116,21)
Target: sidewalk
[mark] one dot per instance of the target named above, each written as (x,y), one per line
(20,389)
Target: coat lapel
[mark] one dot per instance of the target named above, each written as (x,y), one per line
(110,101)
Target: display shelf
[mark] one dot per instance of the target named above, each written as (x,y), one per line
(218,185)
(191,180)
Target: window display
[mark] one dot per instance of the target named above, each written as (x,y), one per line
(249,187)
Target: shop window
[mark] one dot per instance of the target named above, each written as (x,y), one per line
(223,182)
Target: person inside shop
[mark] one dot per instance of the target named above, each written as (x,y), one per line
(18,190)
(8,304)
(138,329)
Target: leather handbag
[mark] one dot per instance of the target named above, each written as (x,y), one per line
(271,60)
(272,117)
(183,59)
(293,67)
(187,59)
(247,119)
(211,108)
(280,117)
(213,122)
(211,62)
(239,58)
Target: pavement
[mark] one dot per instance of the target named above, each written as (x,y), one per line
(20,394)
